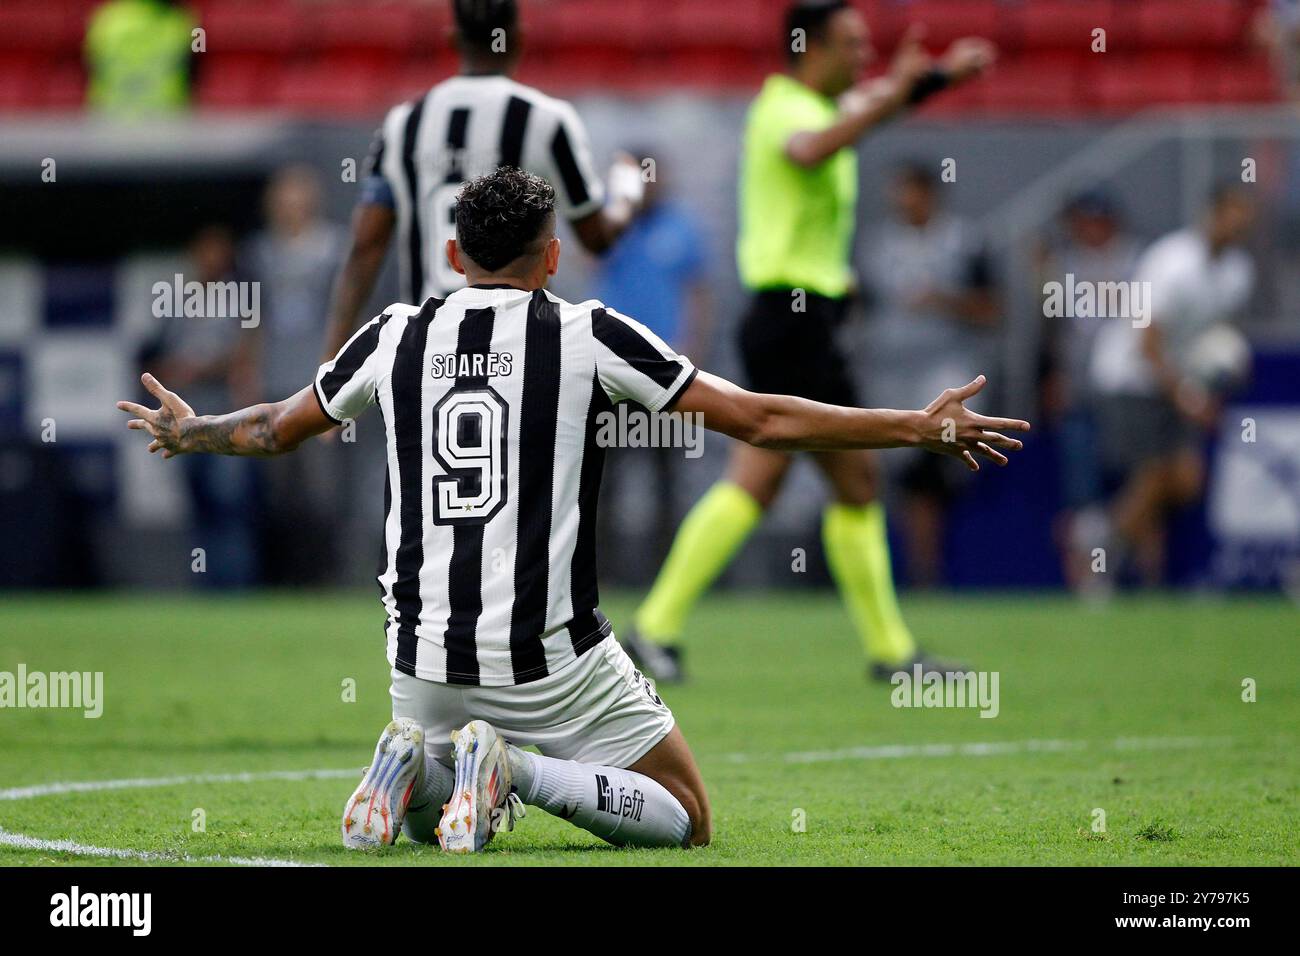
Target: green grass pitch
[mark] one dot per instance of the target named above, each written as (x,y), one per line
(1135,710)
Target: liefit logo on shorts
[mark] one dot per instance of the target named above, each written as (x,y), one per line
(620,804)
(74,908)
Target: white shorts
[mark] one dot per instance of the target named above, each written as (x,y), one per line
(599,709)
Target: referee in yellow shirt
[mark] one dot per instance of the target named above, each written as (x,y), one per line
(798,200)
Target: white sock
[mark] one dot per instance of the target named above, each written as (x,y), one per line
(424,811)
(623,807)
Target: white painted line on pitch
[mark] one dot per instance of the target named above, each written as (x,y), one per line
(153,856)
(880,752)
(22,841)
(94,786)
(987,749)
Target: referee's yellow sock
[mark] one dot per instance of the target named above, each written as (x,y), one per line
(705,544)
(857,551)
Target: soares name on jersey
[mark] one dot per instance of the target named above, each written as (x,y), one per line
(451,365)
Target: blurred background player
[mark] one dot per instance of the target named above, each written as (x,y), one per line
(934,315)
(466,126)
(658,271)
(797,208)
(1095,246)
(1155,407)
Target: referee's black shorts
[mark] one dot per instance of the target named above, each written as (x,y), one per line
(786,352)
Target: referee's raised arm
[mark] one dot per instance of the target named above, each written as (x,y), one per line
(913,77)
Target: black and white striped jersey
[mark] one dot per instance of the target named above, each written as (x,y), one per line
(465,127)
(492,400)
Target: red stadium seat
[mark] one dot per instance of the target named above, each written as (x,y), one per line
(40,26)
(1245,79)
(64,86)
(1036,83)
(18,83)
(236,81)
(723,24)
(354,57)
(1176,24)
(605,24)
(946,20)
(718,70)
(389,28)
(1125,83)
(325,88)
(244,27)
(886,19)
(1067,24)
(415,78)
(566,72)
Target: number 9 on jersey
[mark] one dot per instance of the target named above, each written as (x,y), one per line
(469,442)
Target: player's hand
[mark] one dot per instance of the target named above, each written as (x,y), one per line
(1197,404)
(166,423)
(911,61)
(950,428)
(968,57)
(626,183)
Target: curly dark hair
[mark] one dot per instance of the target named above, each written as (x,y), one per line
(501,216)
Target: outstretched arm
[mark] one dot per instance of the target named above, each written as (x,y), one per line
(786,423)
(260,430)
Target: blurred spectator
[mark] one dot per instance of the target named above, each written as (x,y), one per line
(929,287)
(665,242)
(657,274)
(294,260)
(200,357)
(1277,28)
(1095,248)
(1155,403)
(138,55)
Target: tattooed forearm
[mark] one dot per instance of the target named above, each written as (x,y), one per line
(258,430)
(249,431)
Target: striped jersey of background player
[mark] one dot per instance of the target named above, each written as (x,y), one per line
(465,126)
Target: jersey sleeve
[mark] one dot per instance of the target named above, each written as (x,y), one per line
(774,119)
(634,363)
(345,386)
(567,165)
